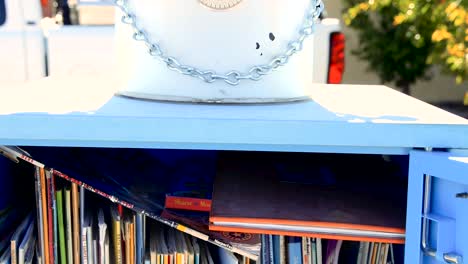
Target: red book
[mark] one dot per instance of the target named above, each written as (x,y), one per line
(188,203)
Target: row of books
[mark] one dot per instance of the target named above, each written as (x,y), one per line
(121,236)
(132,242)
(305,250)
(242,195)
(143,194)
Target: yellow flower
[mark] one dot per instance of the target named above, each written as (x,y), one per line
(397,20)
(456,50)
(451,7)
(457,16)
(364,6)
(441,34)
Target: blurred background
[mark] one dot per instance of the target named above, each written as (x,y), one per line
(419,47)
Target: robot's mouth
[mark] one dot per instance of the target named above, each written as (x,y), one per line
(220,4)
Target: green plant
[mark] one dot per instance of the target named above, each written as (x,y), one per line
(401,39)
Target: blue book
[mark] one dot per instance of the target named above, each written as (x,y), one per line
(226,257)
(267,249)
(276,249)
(294,250)
(139,238)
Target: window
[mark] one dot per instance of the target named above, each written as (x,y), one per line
(2,12)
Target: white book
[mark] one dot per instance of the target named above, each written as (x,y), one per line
(319,251)
(84,245)
(95,251)
(102,236)
(106,250)
(89,240)
(362,253)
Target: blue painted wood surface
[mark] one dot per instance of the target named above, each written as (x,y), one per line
(338,118)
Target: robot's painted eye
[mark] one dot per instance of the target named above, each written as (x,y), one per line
(272,36)
(220,4)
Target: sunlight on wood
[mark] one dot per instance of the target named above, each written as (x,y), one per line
(57,95)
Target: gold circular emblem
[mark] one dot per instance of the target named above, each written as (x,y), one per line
(220,4)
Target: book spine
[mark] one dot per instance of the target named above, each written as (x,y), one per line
(117,241)
(139,238)
(84,246)
(50,216)
(271,252)
(61,227)
(319,251)
(294,250)
(313,250)
(304,250)
(13,249)
(76,223)
(187,203)
(89,244)
(363,252)
(54,212)
(40,231)
(82,216)
(283,253)
(44,217)
(276,249)
(69,232)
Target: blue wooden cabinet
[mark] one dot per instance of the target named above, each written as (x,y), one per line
(437,211)
(338,119)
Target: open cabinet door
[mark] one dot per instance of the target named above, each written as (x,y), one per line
(437,214)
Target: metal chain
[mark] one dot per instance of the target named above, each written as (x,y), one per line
(232,77)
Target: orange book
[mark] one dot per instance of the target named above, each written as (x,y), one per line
(76,223)
(248,197)
(45,216)
(132,243)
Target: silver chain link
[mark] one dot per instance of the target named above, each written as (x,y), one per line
(232,77)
